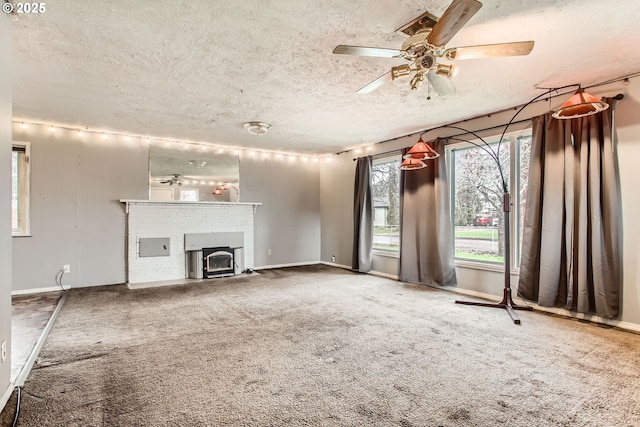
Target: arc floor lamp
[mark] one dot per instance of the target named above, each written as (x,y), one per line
(581,104)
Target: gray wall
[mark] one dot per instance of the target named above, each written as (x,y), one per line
(288,222)
(337,219)
(5,200)
(76,218)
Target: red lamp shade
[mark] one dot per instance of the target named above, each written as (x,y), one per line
(581,104)
(421,151)
(409,164)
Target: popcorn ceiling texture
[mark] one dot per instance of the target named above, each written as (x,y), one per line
(198,69)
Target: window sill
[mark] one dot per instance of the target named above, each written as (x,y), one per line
(385,254)
(20,234)
(498,268)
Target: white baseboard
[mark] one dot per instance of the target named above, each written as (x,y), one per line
(633,327)
(292,264)
(386,275)
(6,396)
(333,264)
(39,290)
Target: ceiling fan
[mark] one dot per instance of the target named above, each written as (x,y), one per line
(426,44)
(175,179)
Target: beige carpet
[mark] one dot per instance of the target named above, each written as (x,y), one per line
(319,346)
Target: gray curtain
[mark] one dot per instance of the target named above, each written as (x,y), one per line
(571,250)
(426,237)
(362,217)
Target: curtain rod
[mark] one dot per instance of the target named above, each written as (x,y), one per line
(617,97)
(606,82)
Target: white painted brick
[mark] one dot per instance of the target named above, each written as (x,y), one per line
(174,220)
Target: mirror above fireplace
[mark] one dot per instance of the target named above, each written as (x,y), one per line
(191,172)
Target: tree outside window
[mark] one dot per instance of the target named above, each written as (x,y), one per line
(385,187)
(477,197)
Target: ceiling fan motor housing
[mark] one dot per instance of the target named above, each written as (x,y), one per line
(427,61)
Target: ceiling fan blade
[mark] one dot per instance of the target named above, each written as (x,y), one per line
(442,85)
(368,51)
(376,83)
(490,50)
(453,19)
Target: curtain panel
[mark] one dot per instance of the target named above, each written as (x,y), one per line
(572,248)
(362,217)
(426,236)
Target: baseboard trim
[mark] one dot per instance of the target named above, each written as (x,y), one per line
(627,326)
(6,396)
(386,275)
(333,264)
(26,369)
(291,264)
(39,290)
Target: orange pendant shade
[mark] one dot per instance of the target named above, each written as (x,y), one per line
(581,104)
(412,164)
(421,151)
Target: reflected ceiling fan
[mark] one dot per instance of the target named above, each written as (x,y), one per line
(175,179)
(426,44)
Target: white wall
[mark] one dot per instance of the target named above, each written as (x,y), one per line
(5,198)
(337,207)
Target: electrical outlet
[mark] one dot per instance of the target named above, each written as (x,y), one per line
(3,350)
(333,258)
(66,268)
(268,251)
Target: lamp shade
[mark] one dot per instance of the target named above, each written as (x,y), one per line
(581,104)
(412,164)
(421,151)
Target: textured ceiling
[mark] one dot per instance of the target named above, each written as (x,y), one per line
(197,69)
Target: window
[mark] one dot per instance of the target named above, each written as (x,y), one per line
(20,189)
(385,188)
(189,194)
(477,194)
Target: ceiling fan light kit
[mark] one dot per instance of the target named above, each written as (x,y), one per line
(427,37)
(257,128)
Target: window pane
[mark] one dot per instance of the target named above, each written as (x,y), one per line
(524,149)
(385,186)
(477,203)
(14,191)
(20,190)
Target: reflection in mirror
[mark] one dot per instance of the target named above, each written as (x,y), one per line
(192,173)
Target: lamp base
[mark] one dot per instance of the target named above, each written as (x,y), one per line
(506,303)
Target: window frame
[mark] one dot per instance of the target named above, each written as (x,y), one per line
(24,189)
(514,190)
(382,158)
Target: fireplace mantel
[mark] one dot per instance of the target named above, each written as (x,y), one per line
(129,202)
(171,221)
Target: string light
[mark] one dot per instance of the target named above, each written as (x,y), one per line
(185,145)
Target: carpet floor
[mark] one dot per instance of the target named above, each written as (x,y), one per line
(321,346)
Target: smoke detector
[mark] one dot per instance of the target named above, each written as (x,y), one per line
(257,128)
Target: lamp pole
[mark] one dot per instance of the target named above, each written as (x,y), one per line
(507,299)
